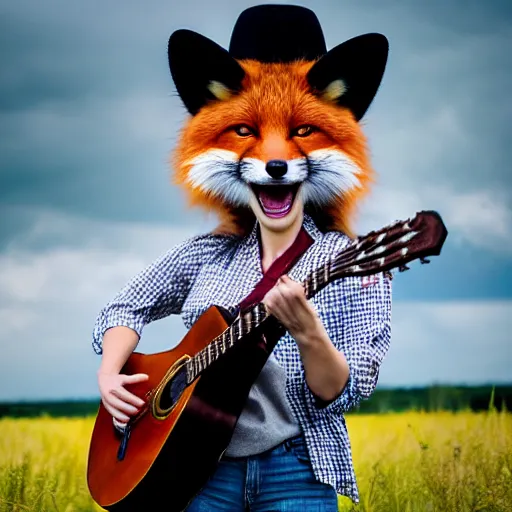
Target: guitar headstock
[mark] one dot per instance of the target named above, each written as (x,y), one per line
(393,246)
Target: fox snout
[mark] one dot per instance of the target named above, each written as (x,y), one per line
(276,168)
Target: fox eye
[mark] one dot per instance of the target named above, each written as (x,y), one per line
(243,130)
(303,131)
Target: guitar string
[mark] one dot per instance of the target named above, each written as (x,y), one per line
(251,319)
(312,284)
(361,245)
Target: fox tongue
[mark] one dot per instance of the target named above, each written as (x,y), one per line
(277,200)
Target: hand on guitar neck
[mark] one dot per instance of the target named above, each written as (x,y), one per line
(325,367)
(192,406)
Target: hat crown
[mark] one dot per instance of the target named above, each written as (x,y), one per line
(348,74)
(277,33)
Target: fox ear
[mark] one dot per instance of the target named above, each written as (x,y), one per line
(350,74)
(202,70)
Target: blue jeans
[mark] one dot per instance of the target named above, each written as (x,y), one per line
(277,480)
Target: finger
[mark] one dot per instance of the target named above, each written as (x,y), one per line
(135,378)
(278,308)
(128,397)
(118,404)
(118,424)
(270,307)
(291,308)
(273,298)
(278,296)
(288,281)
(118,415)
(289,288)
(270,298)
(287,297)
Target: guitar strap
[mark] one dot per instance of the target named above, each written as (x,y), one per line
(279,267)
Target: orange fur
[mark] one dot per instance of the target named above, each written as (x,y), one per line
(275,98)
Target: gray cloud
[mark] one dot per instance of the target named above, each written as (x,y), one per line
(51,292)
(88,116)
(449,343)
(89,113)
(49,300)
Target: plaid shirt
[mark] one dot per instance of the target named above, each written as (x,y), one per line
(217,269)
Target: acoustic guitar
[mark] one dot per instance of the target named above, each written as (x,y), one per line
(196,391)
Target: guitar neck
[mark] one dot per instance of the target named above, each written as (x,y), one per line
(379,251)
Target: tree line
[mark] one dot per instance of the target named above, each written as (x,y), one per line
(383,400)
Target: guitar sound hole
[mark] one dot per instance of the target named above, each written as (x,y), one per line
(174,389)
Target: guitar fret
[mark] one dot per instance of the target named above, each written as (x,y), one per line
(320,277)
(391,244)
(262,312)
(307,288)
(388,247)
(189,373)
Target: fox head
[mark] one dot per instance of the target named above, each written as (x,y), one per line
(273,135)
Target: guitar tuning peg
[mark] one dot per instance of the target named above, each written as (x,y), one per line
(403,268)
(424,261)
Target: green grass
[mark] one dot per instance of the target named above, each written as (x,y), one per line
(408,462)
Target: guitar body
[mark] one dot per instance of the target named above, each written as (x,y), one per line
(167,461)
(197,391)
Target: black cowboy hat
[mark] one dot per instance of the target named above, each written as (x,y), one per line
(349,73)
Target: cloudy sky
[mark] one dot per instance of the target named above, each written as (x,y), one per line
(89,114)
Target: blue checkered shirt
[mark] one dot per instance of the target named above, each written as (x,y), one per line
(218,269)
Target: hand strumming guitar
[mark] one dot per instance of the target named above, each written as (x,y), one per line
(118,343)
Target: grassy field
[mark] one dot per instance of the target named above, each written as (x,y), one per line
(404,462)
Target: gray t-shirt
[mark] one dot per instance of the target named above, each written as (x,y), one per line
(267,418)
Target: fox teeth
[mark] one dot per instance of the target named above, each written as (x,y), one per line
(279,210)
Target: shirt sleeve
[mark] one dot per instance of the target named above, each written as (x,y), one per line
(363,334)
(158,291)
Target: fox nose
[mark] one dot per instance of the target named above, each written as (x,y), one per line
(276,168)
